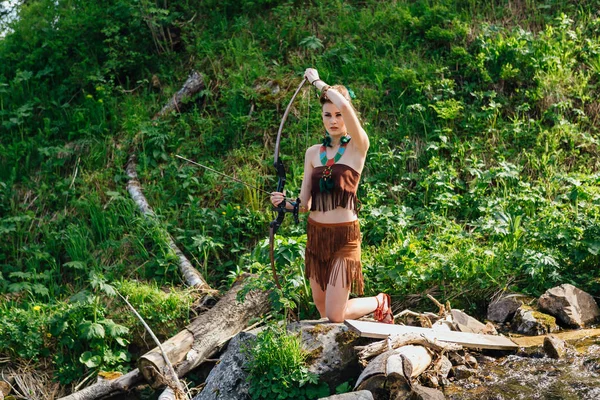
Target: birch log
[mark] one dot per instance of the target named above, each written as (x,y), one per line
(191,275)
(198,341)
(105,388)
(192,85)
(379,347)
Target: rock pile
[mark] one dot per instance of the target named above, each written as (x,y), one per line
(563,305)
(413,367)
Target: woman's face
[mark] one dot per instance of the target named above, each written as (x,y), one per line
(332,120)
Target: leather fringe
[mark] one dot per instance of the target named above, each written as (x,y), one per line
(330,201)
(334,249)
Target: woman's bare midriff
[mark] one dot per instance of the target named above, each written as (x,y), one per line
(336,216)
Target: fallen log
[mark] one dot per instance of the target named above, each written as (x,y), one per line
(192,85)
(391,373)
(200,339)
(191,275)
(374,349)
(105,388)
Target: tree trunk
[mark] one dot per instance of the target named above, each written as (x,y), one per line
(193,278)
(192,85)
(198,340)
(105,387)
(191,275)
(376,348)
(390,374)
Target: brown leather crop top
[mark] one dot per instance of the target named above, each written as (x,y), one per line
(345,185)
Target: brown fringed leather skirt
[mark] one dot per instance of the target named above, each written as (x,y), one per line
(334,249)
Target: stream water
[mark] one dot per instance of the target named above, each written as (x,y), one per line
(530,375)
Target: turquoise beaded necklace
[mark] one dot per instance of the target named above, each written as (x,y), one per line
(326,183)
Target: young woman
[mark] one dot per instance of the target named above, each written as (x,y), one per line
(331,176)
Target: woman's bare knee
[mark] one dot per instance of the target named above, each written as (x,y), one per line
(336,320)
(336,316)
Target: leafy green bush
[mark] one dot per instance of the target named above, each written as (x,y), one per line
(84,338)
(23,333)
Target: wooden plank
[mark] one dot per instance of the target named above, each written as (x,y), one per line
(378,330)
(532,341)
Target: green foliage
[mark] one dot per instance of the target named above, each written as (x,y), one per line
(84,336)
(164,311)
(23,333)
(343,388)
(289,263)
(482,171)
(277,368)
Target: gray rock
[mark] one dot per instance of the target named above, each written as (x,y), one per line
(463,372)
(572,306)
(430,380)
(456,358)
(483,359)
(359,395)
(227,380)
(471,361)
(425,393)
(504,309)
(592,365)
(533,323)
(331,347)
(554,347)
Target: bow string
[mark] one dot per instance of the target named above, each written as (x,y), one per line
(281,209)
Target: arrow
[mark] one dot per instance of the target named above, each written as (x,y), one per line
(222,174)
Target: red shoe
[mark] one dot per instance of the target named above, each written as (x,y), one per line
(383,312)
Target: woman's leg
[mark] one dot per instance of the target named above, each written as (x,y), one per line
(338,307)
(318,296)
